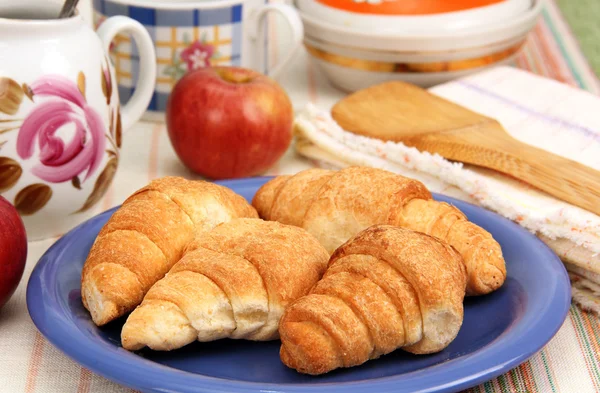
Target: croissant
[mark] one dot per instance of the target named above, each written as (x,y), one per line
(146,236)
(232,282)
(386,288)
(335,205)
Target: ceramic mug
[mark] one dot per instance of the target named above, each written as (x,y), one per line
(191,34)
(60,118)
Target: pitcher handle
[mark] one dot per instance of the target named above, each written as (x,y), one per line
(256,32)
(138,103)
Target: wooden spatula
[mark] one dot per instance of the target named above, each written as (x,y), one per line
(398,111)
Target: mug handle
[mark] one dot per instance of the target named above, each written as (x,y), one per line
(138,103)
(256,32)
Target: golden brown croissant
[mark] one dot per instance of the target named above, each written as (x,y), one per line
(146,236)
(335,205)
(386,288)
(234,281)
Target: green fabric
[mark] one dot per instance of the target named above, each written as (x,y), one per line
(583,16)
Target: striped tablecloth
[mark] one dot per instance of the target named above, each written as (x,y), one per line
(570,363)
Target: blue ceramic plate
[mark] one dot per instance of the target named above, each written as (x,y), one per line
(500,330)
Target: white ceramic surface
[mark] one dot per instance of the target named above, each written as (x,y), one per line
(60,116)
(351,80)
(421,24)
(341,52)
(430,41)
(413,56)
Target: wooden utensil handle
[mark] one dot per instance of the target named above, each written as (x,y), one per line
(565,179)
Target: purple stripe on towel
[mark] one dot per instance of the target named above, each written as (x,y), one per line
(590,133)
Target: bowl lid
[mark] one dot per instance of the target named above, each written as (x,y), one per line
(413,16)
(406,7)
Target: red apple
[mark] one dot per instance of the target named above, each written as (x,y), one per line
(229,122)
(13,250)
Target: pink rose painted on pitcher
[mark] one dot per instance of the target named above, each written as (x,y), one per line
(60,103)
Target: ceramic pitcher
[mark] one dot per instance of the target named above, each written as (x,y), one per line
(61,121)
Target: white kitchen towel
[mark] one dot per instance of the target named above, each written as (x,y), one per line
(538,111)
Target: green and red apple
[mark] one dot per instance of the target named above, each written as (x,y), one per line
(13,250)
(229,122)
